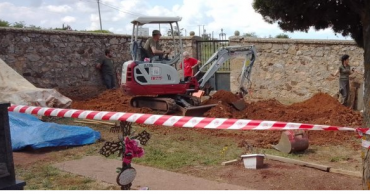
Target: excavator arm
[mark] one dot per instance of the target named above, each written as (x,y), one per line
(218,59)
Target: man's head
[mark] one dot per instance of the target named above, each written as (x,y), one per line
(156,34)
(108,53)
(186,54)
(345,59)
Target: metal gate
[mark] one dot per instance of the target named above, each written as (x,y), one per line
(205,49)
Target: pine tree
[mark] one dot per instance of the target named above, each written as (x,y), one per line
(346,17)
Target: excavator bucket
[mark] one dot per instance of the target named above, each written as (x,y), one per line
(196,111)
(239,104)
(292,141)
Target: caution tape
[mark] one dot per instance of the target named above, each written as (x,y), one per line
(361,131)
(174,121)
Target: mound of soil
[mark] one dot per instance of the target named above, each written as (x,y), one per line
(320,109)
(80,94)
(109,100)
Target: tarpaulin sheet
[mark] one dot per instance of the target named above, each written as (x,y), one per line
(28,130)
(15,89)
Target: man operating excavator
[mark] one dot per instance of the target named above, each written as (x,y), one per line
(153,48)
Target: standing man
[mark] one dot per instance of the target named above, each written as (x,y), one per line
(344,72)
(105,65)
(152,46)
(189,65)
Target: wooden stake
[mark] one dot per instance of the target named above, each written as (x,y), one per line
(230,162)
(346,172)
(298,162)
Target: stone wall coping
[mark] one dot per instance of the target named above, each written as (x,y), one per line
(291,41)
(80,33)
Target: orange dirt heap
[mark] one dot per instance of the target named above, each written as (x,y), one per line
(109,100)
(320,109)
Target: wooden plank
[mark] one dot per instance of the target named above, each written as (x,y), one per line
(230,162)
(298,162)
(346,172)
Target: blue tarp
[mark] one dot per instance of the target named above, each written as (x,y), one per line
(28,130)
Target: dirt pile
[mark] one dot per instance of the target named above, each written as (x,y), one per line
(109,100)
(320,109)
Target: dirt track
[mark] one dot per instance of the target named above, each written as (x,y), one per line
(320,109)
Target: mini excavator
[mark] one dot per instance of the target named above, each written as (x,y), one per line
(157,84)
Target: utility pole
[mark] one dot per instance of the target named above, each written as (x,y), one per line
(101,28)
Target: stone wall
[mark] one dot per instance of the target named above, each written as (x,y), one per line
(62,59)
(285,69)
(294,70)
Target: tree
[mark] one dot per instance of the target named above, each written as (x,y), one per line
(282,36)
(347,17)
(4,23)
(20,24)
(250,34)
(34,27)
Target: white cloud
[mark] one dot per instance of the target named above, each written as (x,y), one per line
(68,19)
(59,9)
(95,23)
(116,15)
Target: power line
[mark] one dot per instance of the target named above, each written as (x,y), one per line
(134,14)
(113,7)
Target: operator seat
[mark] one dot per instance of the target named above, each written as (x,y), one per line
(171,62)
(143,53)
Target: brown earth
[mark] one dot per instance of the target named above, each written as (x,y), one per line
(109,100)
(320,109)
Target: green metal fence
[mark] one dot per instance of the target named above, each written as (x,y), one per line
(206,48)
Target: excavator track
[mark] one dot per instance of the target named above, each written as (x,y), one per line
(165,105)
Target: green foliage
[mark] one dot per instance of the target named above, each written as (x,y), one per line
(345,17)
(101,31)
(282,36)
(4,23)
(34,27)
(20,24)
(250,34)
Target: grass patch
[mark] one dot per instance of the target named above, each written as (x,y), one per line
(173,149)
(182,148)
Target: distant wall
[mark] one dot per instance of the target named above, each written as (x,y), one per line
(62,59)
(285,69)
(294,70)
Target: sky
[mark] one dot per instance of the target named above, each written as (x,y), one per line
(209,16)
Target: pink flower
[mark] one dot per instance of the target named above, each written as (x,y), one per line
(132,150)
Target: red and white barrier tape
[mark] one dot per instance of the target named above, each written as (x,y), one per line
(361,131)
(174,121)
